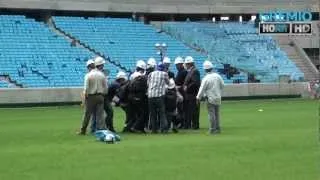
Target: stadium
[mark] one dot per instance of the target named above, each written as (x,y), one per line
(266,52)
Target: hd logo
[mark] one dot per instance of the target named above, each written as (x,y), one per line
(285,28)
(301,28)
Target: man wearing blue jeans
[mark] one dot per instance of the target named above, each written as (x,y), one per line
(157,81)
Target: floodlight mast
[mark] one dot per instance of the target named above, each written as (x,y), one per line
(161,50)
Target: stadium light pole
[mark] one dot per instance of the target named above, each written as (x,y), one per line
(161,50)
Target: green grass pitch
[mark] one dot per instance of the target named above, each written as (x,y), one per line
(280,143)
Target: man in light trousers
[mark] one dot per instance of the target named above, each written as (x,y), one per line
(211,89)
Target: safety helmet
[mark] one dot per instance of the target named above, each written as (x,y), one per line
(207,65)
(151,63)
(166,60)
(188,59)
(121,75)
(141,64)
(99,61)
(89,62)
(178,60)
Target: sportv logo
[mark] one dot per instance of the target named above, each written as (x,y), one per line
(285,16)
(282,22)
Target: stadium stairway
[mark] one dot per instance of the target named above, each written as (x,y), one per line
(302,61)
(81,44)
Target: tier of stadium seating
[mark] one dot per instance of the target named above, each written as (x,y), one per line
(4,84)
(239,45)
(123,40)
(34,56)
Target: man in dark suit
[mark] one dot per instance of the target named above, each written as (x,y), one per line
(191,86)
(179,81)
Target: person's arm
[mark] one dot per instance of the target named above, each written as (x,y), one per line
(149,78)
(202,89)
(166,78)
(86,85)
(194,82)
(104,83)
(221,82)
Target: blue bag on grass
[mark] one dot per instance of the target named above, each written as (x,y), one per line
(107,136)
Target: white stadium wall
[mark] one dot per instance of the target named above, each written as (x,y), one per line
(72,95)
(165,6)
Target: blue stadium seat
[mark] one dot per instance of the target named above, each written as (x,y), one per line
(237,44)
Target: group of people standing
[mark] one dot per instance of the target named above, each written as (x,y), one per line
(152,97)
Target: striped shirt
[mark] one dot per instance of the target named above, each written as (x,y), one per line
(95,82)
(157,81)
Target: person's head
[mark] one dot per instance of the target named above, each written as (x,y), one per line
(161,67)
(141,66)
(121,77)
(179,63)
(189,62)
(151,64)
(90,65)
(207,66)
(99,62)
(166,62)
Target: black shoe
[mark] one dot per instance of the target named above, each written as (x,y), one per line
(164,131)
(174,130)
(81,133)
(138,131)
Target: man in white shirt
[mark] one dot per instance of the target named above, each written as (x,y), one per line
(95,87)
(211,89)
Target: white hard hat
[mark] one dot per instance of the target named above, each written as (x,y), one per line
(188,59)
(172,84)
(121,75)
(151,62)
(141,64)
(207,65)
(99,61)
(178,60)
(89,62)
(166,60)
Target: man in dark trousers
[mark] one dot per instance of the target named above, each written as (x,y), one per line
(123,102)
(151,65)
(137,99)
(113,90)
(191,86)
(179,81)
(157,81)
